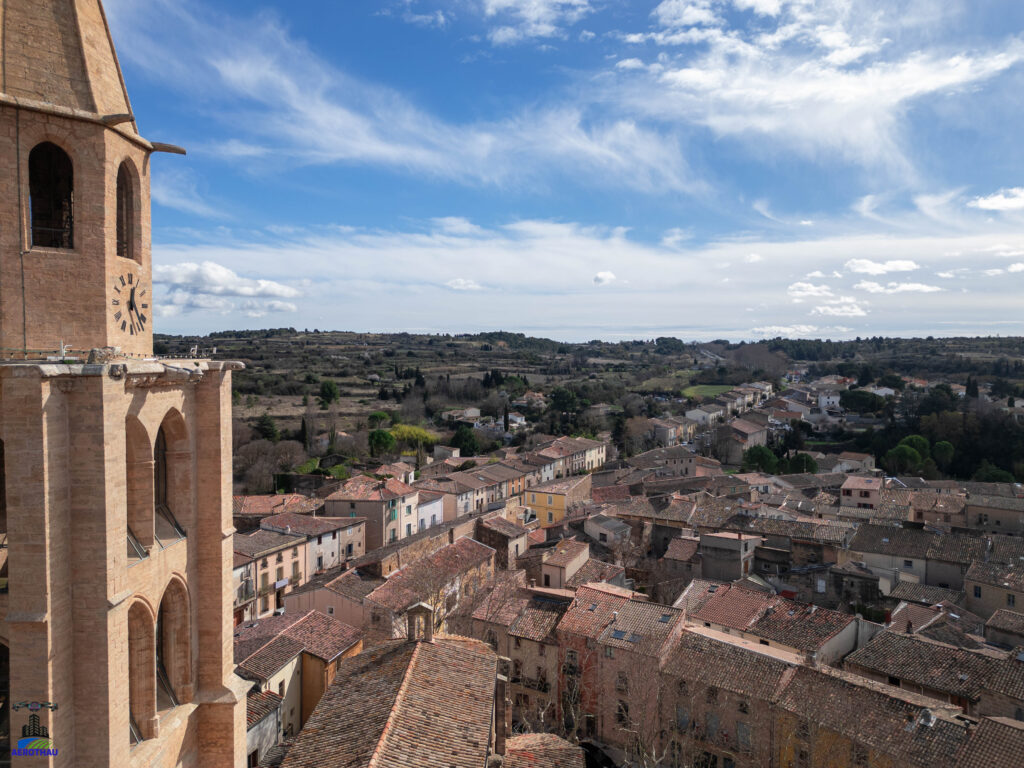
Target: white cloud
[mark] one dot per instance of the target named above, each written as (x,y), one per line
(784,330)
(604,278)
(1011,199)
(850,309)
(1018,267)
(216,280)
(869,267)
(838,68)
(992,272)
(629,64)
(753,258)
(873,287)
(289,107)
(808,290)
(532,18)
(763,7)
(674,237)
(685,13)
(463,284)
(179,189)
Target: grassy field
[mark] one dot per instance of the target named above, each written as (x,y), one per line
(706,390)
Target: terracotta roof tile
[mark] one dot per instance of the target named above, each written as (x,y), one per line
(261,542)
(590,612)
(410,584)
(799,625)
(733,607)
(542,750)
(928,664)
(641,627)
(260,704)
(997,742)
(594,570)
(404,704)
(892,540)
(307,525)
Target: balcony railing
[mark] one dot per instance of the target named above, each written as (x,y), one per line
(266,589)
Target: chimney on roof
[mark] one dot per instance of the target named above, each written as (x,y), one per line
(615,616)
(533,583)
(287,529)
(414,616)
(910,627)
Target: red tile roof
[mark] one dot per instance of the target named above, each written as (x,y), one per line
(272,504)
(404,704)
(363,488)
(542,750)
(415,582)
(307,525)
(262,542)
(260,704)
(591,612)
(733,607)
(997,742)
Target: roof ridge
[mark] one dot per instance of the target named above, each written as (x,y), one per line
(374,760)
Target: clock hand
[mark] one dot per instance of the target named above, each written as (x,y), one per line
(131,300)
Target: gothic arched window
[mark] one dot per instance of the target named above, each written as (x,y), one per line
(125,213)
(51,197)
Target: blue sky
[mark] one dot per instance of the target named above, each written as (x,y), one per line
(584,168)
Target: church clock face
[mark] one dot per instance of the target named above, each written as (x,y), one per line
(130,305)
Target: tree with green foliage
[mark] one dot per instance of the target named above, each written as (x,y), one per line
(381,442)
(866,376)
(465,440)
(919,444)
(377,418)
(800,463)
(504,418)
(266,427)
(412,435)
(760,459)
(972,387)
(989,473)
(861,401)
(943,452)
(901,459)
(563,400)
(329,392)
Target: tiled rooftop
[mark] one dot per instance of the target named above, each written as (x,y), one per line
(892,540)
(997,575)
(1008,621)
(798,625)
(733,607)
(924,594)
(260,704)
(996,742)
(414,582)
(591,612)
(262,647)
(362,488)
(262,542)
(307,525)
(594,570)
(641,627)
(404,704)
(926,663)
(542,750)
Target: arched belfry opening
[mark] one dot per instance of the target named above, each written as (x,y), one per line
(126,213)
(173,647)
(141,673)
(139,486)
(51,196)
(172,479)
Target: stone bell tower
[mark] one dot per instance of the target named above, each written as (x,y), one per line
(115,500)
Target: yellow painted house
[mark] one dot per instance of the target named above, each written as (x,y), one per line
(552,500)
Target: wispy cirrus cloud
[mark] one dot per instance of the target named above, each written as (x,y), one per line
(530,19)
(289,105)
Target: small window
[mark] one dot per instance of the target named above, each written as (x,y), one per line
(894,681)
(1011,599)
(280,689)
(622,682)
(908,563)
(712,695)
(977,591)
(744,707)
(320,539)
(330,610)
(609,652)
(540,649)
(622,713)
(743,734)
